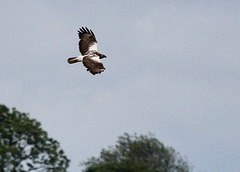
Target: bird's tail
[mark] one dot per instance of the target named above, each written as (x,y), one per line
(72,60)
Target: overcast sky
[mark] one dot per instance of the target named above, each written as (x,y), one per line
(173,69)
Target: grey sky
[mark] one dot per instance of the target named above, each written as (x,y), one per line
(172,69)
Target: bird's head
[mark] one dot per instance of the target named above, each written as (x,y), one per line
(103,56)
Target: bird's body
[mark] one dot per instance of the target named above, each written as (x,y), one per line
(88,47)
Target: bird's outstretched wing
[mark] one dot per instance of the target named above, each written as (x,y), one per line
(87,41)
(93,64)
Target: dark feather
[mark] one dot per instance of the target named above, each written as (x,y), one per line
(87,38)
(94,67)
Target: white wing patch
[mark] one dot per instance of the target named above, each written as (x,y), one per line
(96,58)
(93,47)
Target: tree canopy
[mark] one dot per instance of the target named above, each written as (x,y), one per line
(25,146)
(137,154)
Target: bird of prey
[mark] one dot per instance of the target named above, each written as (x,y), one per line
(90,57)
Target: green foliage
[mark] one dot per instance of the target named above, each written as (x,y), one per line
(137,154)
(25,147)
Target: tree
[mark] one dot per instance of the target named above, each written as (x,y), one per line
(25,147)
(137,154)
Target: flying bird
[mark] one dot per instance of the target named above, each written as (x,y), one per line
(88,47)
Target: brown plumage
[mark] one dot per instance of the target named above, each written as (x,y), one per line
(93,66)
(87,39)
(88,48)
